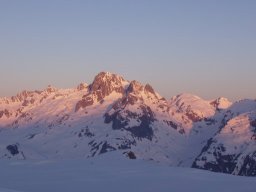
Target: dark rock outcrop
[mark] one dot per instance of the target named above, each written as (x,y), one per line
(192,115)
(106,148)
(131,155)
(6,113)
(149,89)
(224,163)
(121,121)
(105,83)
(253,123)
(13,149)
(100,148)
(134,87)
(249,166)
(85,102)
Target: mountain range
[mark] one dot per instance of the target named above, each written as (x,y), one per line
(114,114)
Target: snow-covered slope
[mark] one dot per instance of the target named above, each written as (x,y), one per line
(110,172)
(233,148)
(221,103)
(7,190)
(113,114)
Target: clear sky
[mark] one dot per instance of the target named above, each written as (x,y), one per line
(205,47)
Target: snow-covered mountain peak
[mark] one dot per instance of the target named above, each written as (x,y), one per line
(105,83)
(193,106)
(112,114)
(51,89)
(221,103)
(149,89)
(82,86)
(146,92)
(22,96)
(135,87)
(106,79)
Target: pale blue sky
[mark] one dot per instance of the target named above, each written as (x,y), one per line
(205,47)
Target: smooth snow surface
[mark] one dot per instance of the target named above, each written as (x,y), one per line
(7,190)
(109,172)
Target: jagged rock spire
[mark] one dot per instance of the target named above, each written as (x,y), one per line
(105,83)
(135,87)
(51,89)
(82,86)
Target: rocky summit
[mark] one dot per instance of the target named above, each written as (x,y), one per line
(114,114)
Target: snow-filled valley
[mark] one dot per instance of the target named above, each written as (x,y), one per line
(109,172)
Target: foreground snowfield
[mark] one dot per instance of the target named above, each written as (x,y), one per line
(6,190)
(112,172)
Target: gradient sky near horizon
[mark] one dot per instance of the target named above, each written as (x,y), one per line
(207,48)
